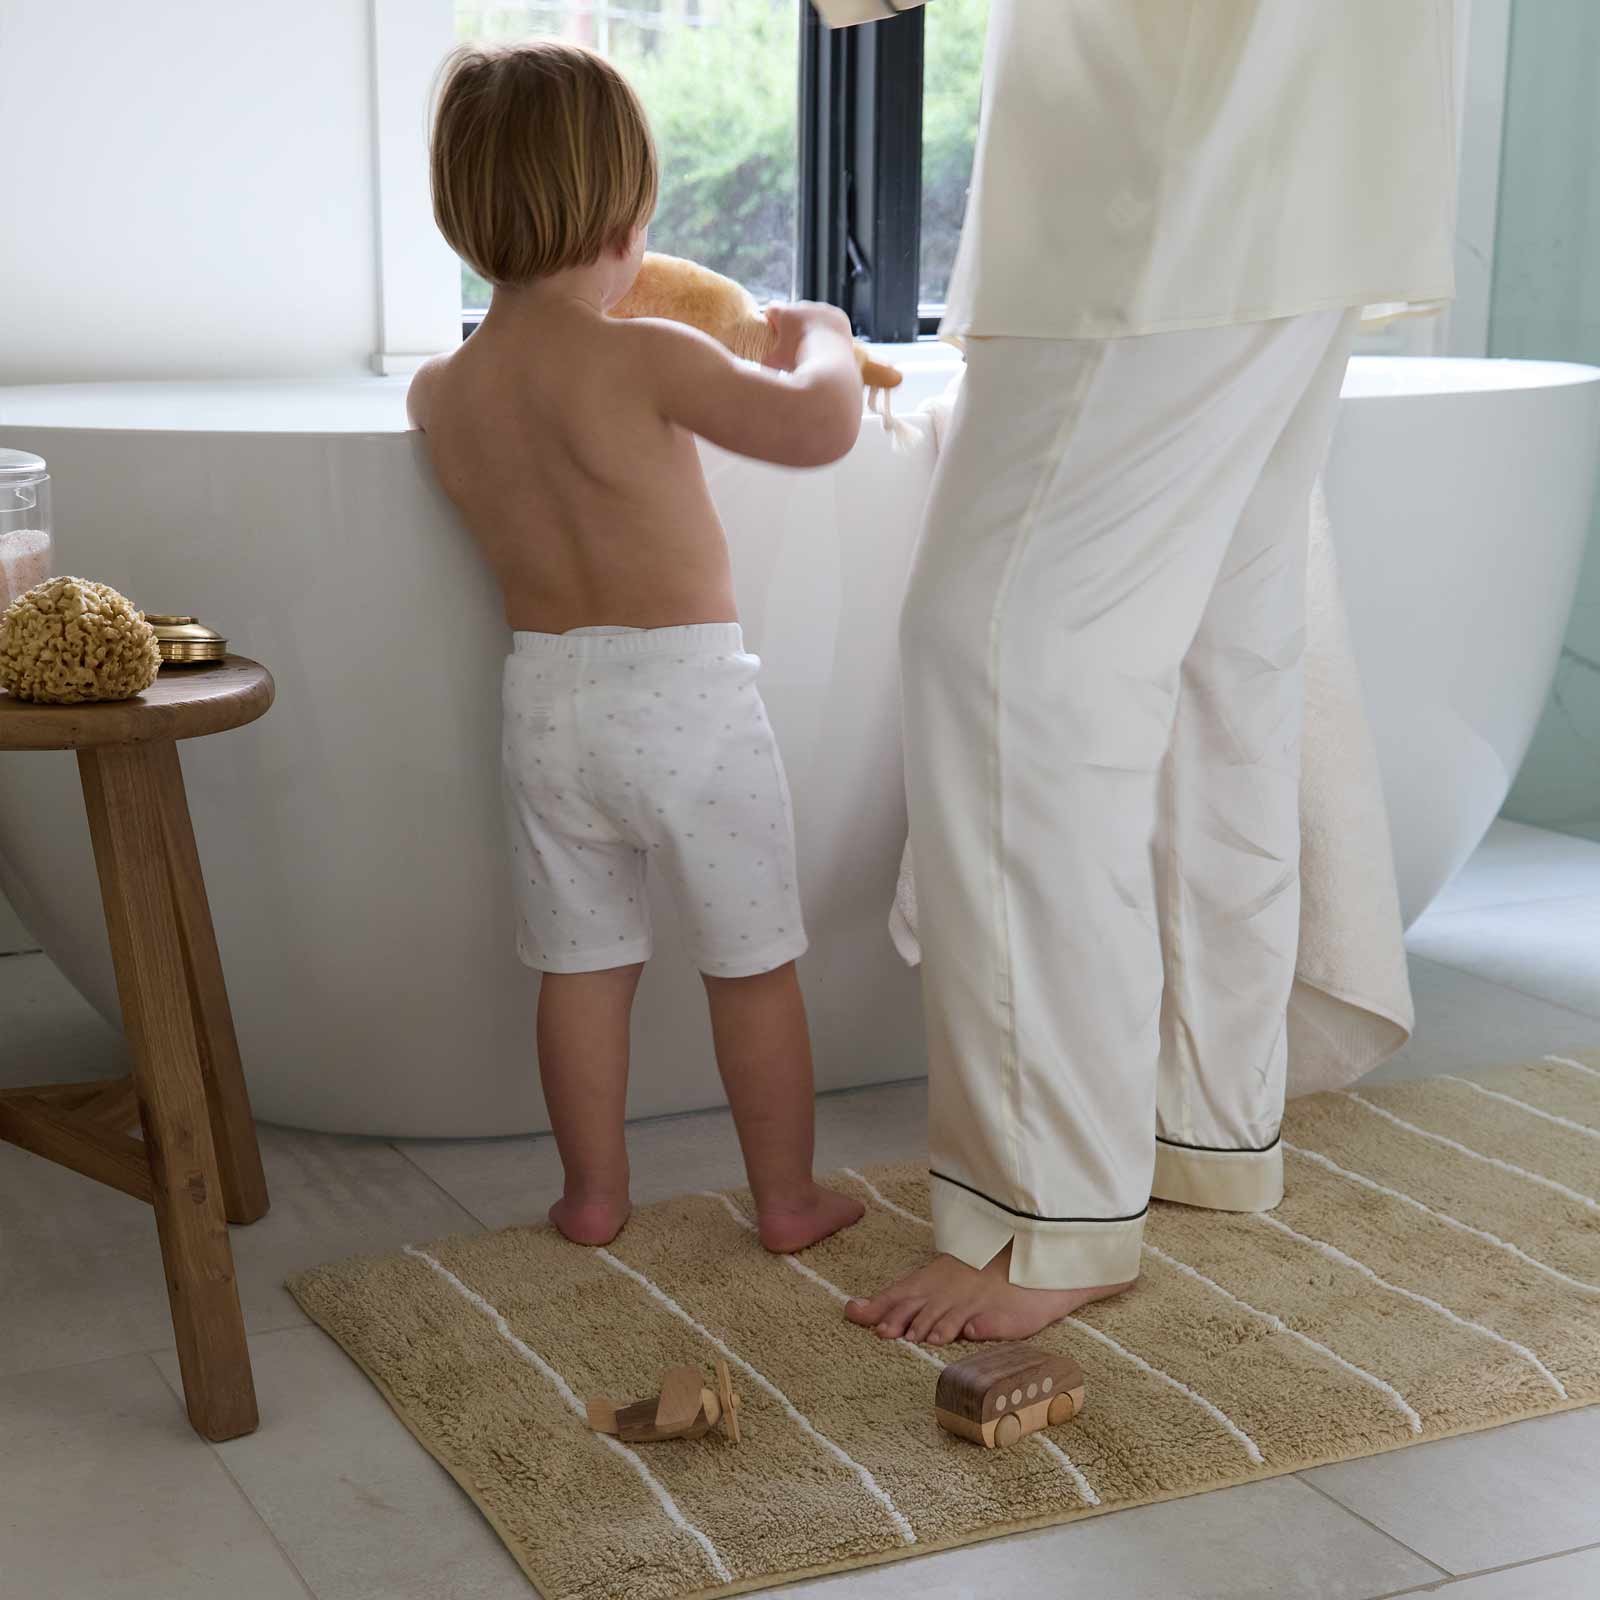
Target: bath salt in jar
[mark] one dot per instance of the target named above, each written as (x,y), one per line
(25,547)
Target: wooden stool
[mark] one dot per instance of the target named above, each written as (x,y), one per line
(198,1163)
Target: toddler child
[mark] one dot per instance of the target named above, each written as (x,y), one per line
(634,734)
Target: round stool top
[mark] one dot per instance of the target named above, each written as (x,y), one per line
(183,703)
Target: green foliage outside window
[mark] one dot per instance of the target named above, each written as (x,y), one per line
(953,63)
(720,80)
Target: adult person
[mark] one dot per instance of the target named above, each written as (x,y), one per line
(1177,207)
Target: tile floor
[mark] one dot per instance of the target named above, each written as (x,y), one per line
(105,1494)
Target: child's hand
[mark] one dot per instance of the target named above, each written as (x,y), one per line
(792,323)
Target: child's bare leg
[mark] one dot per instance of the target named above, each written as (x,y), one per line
(764,1056)
(583,1065)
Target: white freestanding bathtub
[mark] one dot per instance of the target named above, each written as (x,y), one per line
(352,839)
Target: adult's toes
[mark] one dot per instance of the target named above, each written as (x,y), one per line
(866,1312)
(923,1323)
(948,1327)
(894,1322)
(986,1325)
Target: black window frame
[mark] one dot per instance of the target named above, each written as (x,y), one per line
(859,239)
(860,213)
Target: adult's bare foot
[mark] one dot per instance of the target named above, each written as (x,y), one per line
(791,1227)
(948,1300)
(589,1221)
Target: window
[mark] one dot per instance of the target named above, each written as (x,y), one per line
(798,160)
(952,64)
(718,79)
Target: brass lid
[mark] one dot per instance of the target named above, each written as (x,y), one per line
(185,641)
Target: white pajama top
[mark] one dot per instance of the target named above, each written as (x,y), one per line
(1159,164)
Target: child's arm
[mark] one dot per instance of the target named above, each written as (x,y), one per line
(805,419)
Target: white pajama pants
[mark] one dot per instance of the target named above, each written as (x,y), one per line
(1101,652)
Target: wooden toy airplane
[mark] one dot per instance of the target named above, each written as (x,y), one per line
(684,1409)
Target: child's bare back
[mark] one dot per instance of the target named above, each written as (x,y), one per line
(566,440)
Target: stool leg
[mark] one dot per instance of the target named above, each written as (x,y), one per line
(233,1129)
(122,794)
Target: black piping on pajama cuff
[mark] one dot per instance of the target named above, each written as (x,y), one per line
(1030,1216)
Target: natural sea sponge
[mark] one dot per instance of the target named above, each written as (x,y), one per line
(69,640)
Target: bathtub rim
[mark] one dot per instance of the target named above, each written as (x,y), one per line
(927,365)
(1541,376)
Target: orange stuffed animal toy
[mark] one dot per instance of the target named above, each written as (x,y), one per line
(684,291)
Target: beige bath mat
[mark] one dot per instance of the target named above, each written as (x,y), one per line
(1435,1269)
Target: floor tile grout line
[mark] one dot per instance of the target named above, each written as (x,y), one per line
(239,1488)
(251,1335)
(1383,1533)
(151,1350)
(1486,1572)
(1437,911)
(92,1361)
(1505,988)
(454,1200)
(282,1549)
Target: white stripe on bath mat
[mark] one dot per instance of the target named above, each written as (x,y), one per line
(554,1378)
(1080,1482)
(1522,1105)
(806,1272)
(1477,1155)
(1334,1253)
(733,1210)
(1278,1325)
(1442,1216)
(868,1482)
(883,1199)
(1251,1448)
(1567,1061)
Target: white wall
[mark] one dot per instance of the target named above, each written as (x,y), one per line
(190,189)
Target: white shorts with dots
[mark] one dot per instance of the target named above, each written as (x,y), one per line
(626,747)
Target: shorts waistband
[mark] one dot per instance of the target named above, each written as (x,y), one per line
(696,638)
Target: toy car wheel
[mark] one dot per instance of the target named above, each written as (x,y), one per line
(1061,1410)
(1007,1431)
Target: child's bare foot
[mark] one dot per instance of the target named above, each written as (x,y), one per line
(792,1227)
(589,1221)
(948,1300)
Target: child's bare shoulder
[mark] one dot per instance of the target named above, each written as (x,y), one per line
(671,346)
(422,391)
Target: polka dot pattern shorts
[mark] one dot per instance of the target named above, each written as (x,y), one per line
(627,750)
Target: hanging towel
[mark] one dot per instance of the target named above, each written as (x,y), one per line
(1350,1007)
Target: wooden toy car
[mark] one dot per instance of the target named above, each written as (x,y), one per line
(684,1409)
(1006,1392)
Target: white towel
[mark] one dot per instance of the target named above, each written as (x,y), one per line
(1351,1006)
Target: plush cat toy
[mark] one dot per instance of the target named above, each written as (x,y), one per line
(684,291)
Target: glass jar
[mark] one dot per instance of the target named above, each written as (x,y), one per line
(25,545)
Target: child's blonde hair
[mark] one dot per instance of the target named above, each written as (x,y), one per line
(541,158)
